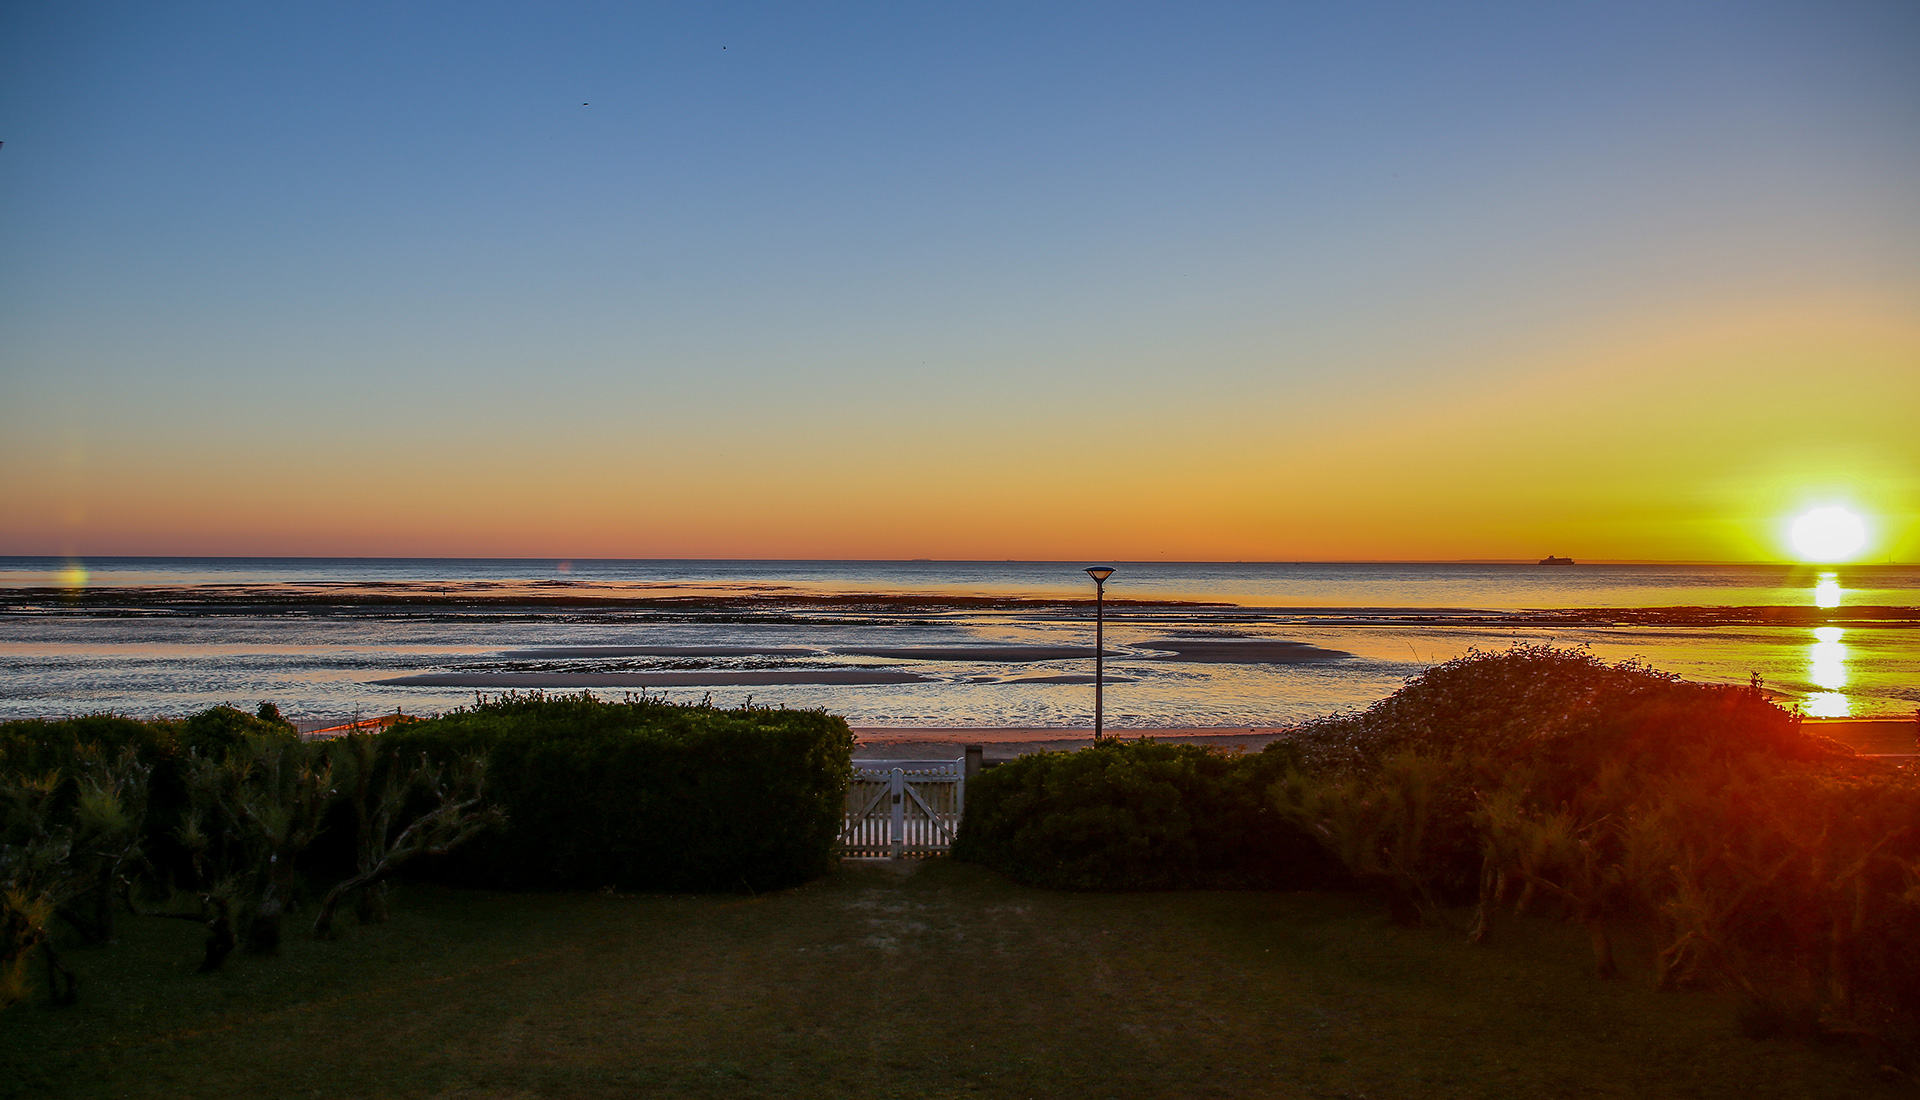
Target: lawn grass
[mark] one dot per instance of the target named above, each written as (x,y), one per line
(925,980)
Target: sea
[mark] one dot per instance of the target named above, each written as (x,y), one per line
(917,643)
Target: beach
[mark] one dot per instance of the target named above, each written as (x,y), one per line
(1873,737)
(1005,743)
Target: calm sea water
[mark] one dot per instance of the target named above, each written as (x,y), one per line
(937,643)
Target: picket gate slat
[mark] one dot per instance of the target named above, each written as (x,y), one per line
(902,808)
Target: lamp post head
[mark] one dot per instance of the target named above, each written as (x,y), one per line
(1100,573)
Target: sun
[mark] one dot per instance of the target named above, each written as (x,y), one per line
(1828,534)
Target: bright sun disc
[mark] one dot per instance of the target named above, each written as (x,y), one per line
(1829,534)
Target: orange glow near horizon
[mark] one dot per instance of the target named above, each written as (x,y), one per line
(1661,447)
(1209,283)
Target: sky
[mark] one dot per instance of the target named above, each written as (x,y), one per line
(1340,281)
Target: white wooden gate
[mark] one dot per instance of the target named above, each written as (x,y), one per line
(901,808)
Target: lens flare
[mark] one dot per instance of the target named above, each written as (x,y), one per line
(1828,534)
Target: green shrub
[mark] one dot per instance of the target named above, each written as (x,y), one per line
(219,810)
(1749,851)
(1137,815)
(35,747)
(1546,733)
(644,794)
(1402,828)
(1536,704)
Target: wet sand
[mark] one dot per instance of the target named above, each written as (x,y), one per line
(1241,651)
(590,651)
(984,654)
(518,681)
(1874,736)
(1244,651)
(1871,736)
(1007,742)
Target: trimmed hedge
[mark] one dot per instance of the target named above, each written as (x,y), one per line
(644,794)
(1139,815)
(32,745)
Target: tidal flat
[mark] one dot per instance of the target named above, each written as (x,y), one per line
(916,644)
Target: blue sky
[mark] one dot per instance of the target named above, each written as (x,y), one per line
(258,262)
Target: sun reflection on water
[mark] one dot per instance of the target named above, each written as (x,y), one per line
(1829,659)
(1827,668)
(1827,592)
(1828,704)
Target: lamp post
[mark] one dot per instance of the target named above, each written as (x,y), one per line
(1099,573)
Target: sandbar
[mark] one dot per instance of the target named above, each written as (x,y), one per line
(1062,678)
(1001,654)
(995,653)
(663,651)
(1242,651)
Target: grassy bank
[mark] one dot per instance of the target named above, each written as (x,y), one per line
(936,980)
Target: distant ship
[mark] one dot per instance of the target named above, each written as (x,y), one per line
(1551,560)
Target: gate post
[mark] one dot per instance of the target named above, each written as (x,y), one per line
(898,837)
